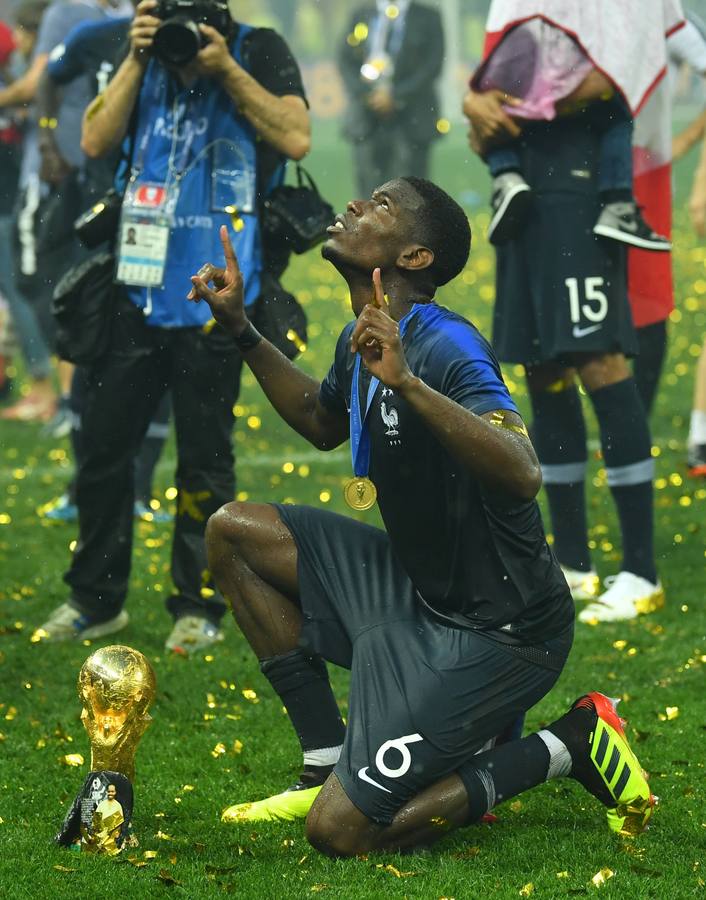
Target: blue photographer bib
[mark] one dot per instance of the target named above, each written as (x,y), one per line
(194,169)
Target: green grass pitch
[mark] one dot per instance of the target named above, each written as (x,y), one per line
(219,734)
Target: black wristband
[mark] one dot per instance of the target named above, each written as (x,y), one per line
(248,338)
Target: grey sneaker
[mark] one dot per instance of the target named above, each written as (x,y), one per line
(511,201)
(623,222)
(67,624)
(191,634)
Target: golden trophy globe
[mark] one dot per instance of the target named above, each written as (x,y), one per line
(116,686)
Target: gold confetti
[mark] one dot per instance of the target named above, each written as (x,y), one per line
(150,854)
(250,695)
(168,879)
(563,874)
(601,877)
(620,645)
(527,889)
(218,750)
(72,759)
(237,746)
(670,713)
(163,836)
(394,871)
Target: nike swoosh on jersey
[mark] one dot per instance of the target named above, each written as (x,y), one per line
(363,774)
(582,332)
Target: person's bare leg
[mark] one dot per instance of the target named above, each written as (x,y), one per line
(700,382)
(697,423)
(336,827)
(253,559)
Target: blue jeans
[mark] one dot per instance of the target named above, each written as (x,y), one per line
(503,159)
(24,318)
(615,154)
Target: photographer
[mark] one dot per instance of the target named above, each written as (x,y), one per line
(210,111)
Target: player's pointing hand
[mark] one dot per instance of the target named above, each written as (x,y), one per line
(226,296)
(376,337)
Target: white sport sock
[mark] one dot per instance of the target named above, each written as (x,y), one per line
(324,756)
(559,756)
(697,428)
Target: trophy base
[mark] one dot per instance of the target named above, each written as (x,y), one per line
(99,820)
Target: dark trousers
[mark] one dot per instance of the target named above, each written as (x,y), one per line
(150,449)
(385,154)
(203,373)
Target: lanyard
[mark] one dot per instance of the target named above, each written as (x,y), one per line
(360,434)
(173,171)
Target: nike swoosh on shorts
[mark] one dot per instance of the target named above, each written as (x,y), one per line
(582,332)
(363,775)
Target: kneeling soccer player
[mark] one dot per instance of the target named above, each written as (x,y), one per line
(456,619)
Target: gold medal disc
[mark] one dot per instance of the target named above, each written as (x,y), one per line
(360,493)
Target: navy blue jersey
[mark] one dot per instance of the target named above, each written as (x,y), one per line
(92,49)
(478,558)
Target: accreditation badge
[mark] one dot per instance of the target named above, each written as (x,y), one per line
(146,221)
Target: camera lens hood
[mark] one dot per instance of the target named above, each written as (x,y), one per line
(177,41)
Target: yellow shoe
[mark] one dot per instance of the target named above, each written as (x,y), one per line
(611,771)
(285,807)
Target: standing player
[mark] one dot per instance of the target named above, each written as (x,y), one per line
(456,618)
(562,313)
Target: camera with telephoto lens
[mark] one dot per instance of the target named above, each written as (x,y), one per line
(178,39)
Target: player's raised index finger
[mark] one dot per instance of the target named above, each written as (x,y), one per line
(228,251)
(378,292)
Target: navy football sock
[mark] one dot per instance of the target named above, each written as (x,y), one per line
(559,437)
(302,683)
(625,439)
(499,774)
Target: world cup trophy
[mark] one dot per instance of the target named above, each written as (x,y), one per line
(116,686)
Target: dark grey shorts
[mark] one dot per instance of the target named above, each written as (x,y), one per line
(424,696)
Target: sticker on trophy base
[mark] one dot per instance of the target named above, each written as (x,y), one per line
(99,818)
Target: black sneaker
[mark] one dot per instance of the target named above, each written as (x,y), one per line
(623,222)
(511,201)
(696,460)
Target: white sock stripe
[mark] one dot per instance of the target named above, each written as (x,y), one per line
(489,786)
(633,473)
(559,756)
(564,473)
(324,756)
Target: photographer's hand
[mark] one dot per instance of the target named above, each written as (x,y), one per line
(214,60)
(226,300)
(142,31)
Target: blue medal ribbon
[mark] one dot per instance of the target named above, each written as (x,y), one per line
(360,433)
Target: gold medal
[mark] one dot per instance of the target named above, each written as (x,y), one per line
(360,493)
